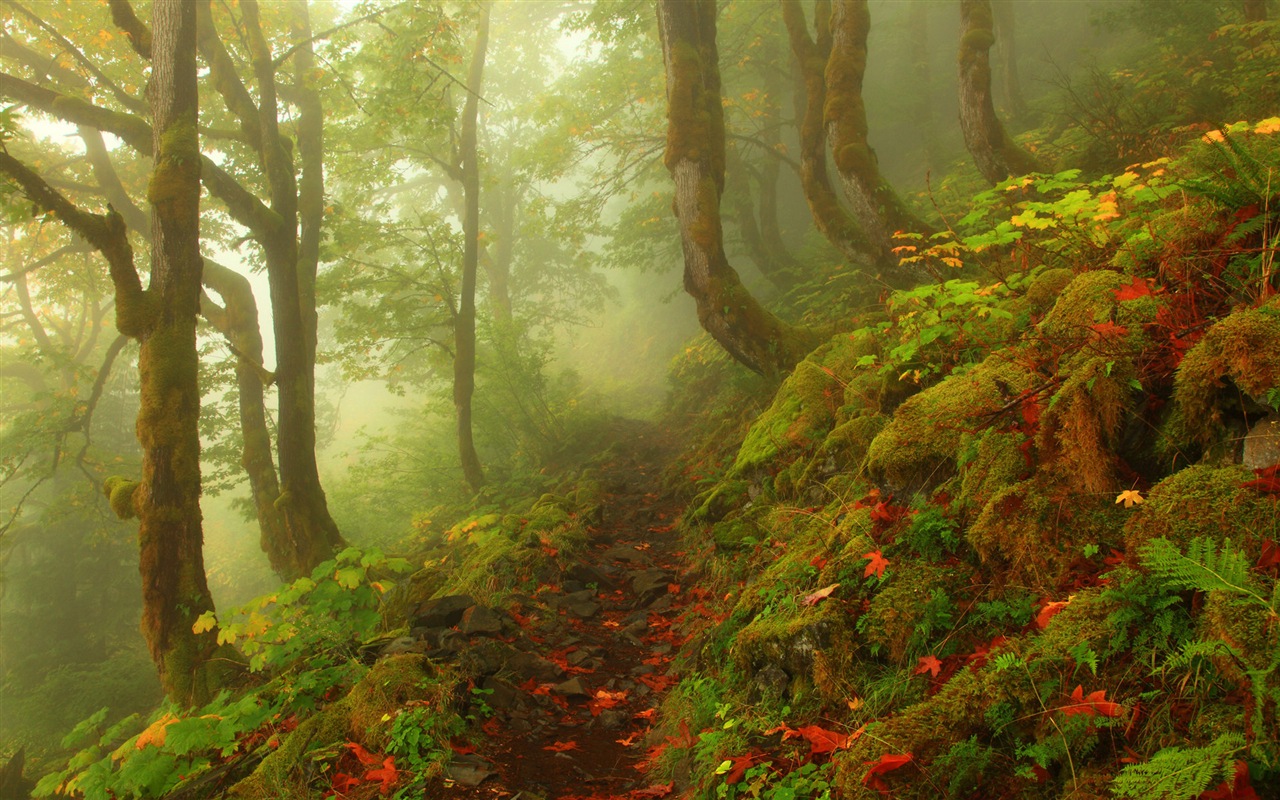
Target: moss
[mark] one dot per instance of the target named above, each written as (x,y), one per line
(175,181)
(989,462)
(1031,532)
(1205,501)
(136,313)
(977,39)
(1080,428)
(919,446)
(801,414)
(1086,301)
(1243,348)
(1045,288)
(732,534)
(120,494)
(796,639)
(845,448)
(891,621)
(717,502)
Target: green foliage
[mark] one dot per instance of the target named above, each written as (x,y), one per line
(932,535)
(1180,773)
(1206,566)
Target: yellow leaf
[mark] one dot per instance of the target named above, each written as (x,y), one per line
(204,622)
(1130,498)
(154,734)
(1268,125)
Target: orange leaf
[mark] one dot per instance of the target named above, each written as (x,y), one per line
(887,763)
(365,757)
(821,594)
(822,740)
(877,565)
(387,775)
(1096,703)
(561,747)
(1049,611)
(929,664)
(1132,291)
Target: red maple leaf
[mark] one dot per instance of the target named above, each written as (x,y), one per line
(656,790)
(1049,611)
(887,763)
(1239,788)
(1270,556)
(740,765)
(1268,481)
(365,757)
(1108,330)
(929,664)
(387,775)
(821,594)
(1140,287)
(562,747)
(462,749)
(877,565)
(821,740)
(1096,703)
(342,782)
(818,562)
(978,658)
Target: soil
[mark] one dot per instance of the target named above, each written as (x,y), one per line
(587,733)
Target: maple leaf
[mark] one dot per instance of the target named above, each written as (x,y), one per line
(1239,788)
(1130,498)
(822,740)
(630,740)
(877,565)
(1139,287)
(821,594)
(562,747)
(739,766)
(462,749)
(1270,555)
(387,775)
(155,732)
(1096,703)
(1268,481)
(929,664)
(1050,611)
(656,790)
(818,562)
(1109,329)
(887,763)
(364,756)
(342,782)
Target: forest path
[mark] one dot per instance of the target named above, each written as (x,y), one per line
(609,627)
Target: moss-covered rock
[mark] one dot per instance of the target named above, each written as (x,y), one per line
(1243,348)
(1205,501)
(1086,301)
(918,448)
(989,462)
(1045,288)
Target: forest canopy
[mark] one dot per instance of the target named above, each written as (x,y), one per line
(894,381)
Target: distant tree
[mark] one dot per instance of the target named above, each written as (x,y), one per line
(695,156)
(1006,22)
(995,154)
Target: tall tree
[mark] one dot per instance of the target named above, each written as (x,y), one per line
(995,154)
(695,156)
(1006,22)
(162,318)
(464,361)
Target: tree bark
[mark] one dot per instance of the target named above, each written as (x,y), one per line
(695,156)
(464,348)
(829,216)
(1255,10)
(167,502)
(876,207)
(922,70)
(1007,47)
(995,154)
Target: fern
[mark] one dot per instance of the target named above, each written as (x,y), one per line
(1179,773)
(1206,567)
(1192,651)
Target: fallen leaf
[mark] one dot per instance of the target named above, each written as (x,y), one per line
(877,565)
(821,594)
(1093,705)
(342,782)
(387,775)
(562,747)
(887,763)
(630,740)
(1109,329)
(929,664)
(1139,287)
(364,756)
(1130,498)
(1050,611)
(818,562)
(822,740)
(656,790)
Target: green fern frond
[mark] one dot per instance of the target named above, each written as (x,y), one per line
(1206,567)
(1206,648)
(1179,773)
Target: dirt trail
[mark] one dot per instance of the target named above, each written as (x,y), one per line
(609,628)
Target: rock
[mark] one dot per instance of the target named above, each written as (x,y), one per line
(627,554)
(662,604)
(571,688)
(403,644)
(469,770)
(480,621)
(1262,445)
(650,584)
(587,575)
(577,657)
(528,665)
(772,681)
(584,610)
(573,598)
(443,612)
(611,719)
(636,628)
(498,694)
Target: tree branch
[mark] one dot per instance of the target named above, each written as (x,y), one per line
(135,30)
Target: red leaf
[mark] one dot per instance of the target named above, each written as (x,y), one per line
(387,775)
(366,758)
(1238,789)
(821,594)
(1108,330)
(877,565)
(462,749)
(1049,611)
(818,562)
(1270,555)
(561,747)
(1096,703)
(656,790)
(342,782)
(978,658)
(887,763)
(1268,481)
(1140,287)
(822,740)
(929,664)
(740,765)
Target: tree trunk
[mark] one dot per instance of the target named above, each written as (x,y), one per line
(876,207)
(695,156)
(1255,10)
(995,154)
(464,360)
(1007,47)
(311,532)
(829,216)
(922,70)
(167,502)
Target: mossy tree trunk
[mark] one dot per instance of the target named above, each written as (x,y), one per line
(695,156)
(237,319)
(876,207)
(167,502)
(811,53)
(922,72)
(1006,21)
(1255,10)
(995,154)
(464,358)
